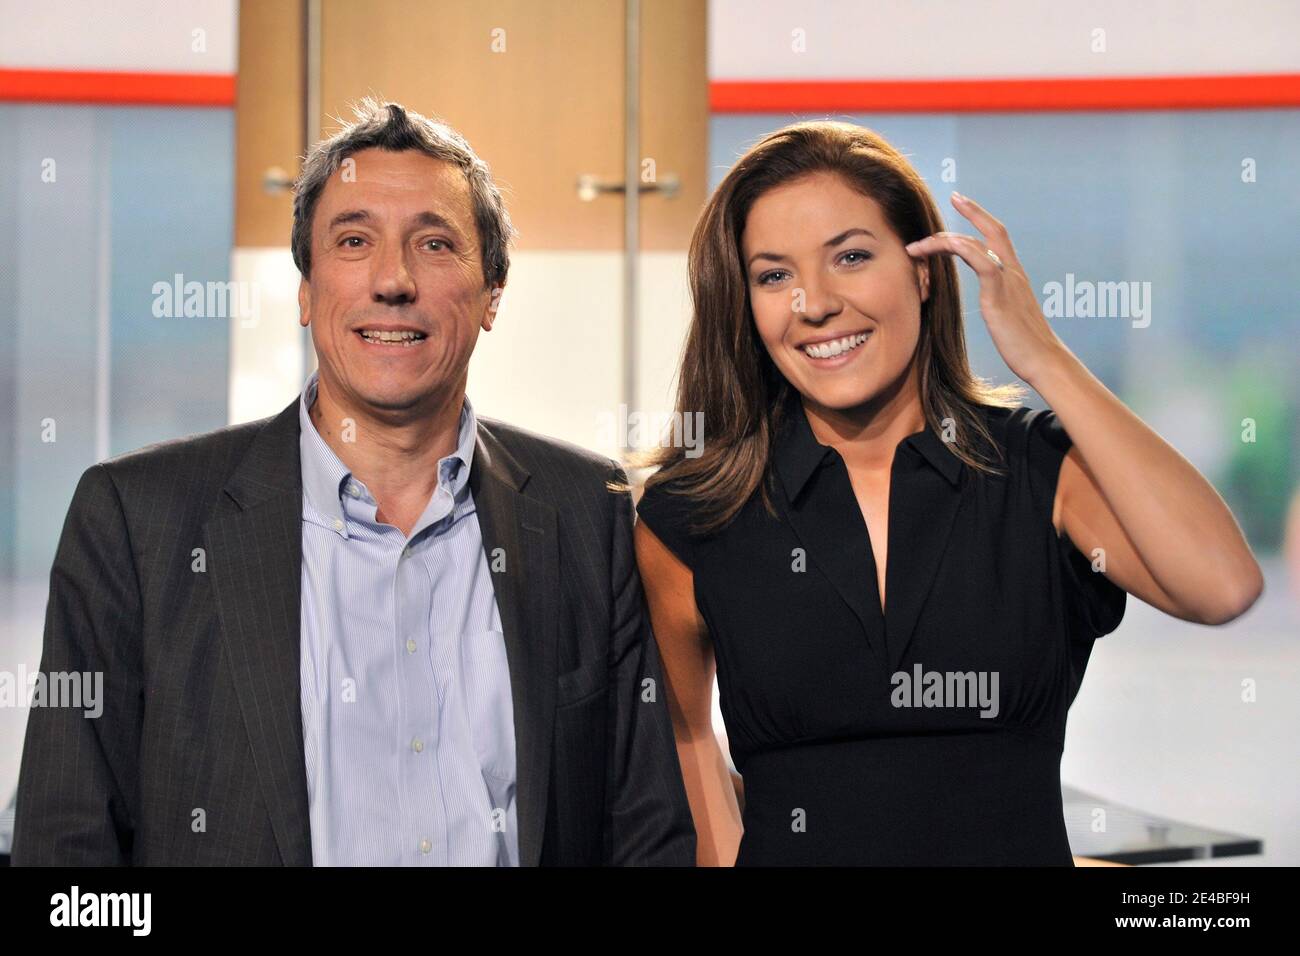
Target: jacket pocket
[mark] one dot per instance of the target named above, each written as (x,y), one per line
(577,685)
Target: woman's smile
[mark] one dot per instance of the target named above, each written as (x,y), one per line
(828,354)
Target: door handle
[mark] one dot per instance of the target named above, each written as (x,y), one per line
(591,186)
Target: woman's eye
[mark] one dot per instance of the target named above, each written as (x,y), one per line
(853,257)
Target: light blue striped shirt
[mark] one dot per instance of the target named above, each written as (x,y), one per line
(408,727)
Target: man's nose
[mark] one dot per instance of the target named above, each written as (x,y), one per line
(391,281)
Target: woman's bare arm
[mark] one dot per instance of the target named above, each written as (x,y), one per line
(1166,534)
(687,655)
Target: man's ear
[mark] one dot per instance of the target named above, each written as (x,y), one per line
(494,303)
(923,274)
(304,303)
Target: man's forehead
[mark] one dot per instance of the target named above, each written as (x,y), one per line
(388,175)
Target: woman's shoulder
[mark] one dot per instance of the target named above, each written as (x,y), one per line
(1024,433)
(1032,443)
(668,508)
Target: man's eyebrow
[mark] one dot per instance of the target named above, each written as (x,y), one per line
(349,216)
(432,220)
(833,241)
(427,219)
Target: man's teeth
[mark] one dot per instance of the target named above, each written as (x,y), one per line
(836,347)
(404,338)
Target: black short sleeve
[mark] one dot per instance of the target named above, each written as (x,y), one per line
(1096,602)
(668,515)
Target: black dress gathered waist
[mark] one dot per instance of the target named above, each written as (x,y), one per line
(991,799)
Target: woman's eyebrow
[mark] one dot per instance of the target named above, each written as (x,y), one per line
(833,241)
(856,230)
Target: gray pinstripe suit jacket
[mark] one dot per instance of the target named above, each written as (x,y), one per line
(197,757)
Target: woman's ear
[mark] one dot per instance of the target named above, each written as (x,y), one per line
(923,277)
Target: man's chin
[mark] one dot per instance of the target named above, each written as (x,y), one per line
(394,403)
(390,397)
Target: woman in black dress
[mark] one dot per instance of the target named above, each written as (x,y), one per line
(901,706)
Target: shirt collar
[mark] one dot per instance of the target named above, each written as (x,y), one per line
(324,474)
(798,453)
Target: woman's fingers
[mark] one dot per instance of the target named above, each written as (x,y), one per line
(995,234)
(973,251)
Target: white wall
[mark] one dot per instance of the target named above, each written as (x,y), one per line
(945,39)
(132,36)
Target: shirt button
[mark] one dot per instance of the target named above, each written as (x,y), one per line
(417,745)
(425,846)
(353,490)
(338,524)
(410,645)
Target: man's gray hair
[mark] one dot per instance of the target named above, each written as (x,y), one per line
(392,127)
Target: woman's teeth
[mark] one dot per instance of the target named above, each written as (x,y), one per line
(836,346)
(405,339)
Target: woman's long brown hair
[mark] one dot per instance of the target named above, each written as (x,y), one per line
(726,372)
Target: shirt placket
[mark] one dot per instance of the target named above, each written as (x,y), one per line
(420,710)
(424,815)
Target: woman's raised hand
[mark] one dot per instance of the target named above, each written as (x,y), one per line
(1022,334)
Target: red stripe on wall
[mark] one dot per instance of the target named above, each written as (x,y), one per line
(82,86)
(1046,94)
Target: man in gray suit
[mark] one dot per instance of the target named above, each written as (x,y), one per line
(375,628)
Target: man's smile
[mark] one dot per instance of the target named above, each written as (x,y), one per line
(391,336)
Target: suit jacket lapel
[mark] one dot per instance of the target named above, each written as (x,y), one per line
(254,548)
(520,542)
